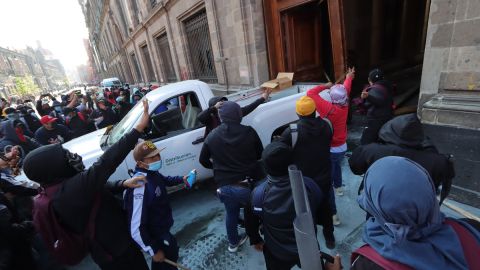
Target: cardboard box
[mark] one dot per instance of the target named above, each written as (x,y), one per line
(283,80)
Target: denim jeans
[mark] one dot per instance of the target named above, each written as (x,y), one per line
(234,198)
(336,161)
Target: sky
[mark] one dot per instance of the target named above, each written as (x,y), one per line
(58,24)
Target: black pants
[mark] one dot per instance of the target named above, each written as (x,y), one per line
(274,263)
(370,133)
(132,258)
(168,244)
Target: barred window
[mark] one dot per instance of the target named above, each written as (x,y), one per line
(136,67)
(200,47)
(147,61)
(164,52)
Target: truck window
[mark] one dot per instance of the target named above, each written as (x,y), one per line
(126,124)
(175,116)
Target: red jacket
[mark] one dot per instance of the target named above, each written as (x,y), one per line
(335,113)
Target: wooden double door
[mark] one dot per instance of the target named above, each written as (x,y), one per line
(300,40)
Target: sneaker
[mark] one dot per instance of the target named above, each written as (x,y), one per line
(339,191)
(336,220)
(234,248)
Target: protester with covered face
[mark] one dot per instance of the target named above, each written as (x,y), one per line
(57,112)
(122,107)
(16,115)
(29,117)
(148,208)
(273,207)
(74,191)
(137,96)
(403,136)
(406,229)
(51,132)
(43,104)
(378,99)
(233,151)
(107,116)
(77,122)
(310,139)
(210,119)
(14,135)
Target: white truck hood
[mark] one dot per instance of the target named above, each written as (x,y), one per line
(87,146)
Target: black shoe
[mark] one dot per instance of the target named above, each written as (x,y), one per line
(329,241)
(330,244)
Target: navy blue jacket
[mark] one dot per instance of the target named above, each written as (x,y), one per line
(45,136)
(148,209)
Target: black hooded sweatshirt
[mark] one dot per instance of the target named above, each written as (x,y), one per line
(403,136)
(74,200)
(311,153)
(234,148)
(380,101)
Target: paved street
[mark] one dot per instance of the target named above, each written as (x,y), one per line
(200,225)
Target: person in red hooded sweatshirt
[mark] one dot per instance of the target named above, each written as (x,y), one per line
(332,103)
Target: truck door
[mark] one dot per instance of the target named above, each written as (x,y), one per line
(176,131)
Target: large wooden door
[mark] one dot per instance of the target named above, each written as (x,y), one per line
(305,37)
(302,39)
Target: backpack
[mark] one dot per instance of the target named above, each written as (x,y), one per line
(66,247)
(294,130)
(470,246)
(258,194)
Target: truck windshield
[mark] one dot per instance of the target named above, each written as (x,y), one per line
(126,124)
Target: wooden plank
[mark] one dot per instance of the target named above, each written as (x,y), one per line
(337,32)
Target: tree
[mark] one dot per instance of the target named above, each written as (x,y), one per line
(25,85)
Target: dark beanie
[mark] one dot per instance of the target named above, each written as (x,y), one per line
(276,158)
(48,164)
(230,112)
(375,75)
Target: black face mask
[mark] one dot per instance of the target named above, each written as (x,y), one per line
(75,161)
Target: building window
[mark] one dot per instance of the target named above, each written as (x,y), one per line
(136,67)
(164,52)
(134,9)
(148,64)
(200,47)
(122,18)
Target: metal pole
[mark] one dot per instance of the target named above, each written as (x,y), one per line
(305,236)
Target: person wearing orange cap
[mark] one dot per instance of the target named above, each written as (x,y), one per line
(310,139)
(51,132)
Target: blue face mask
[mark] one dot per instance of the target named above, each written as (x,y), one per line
(155,166)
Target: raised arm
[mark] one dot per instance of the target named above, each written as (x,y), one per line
(106,165)
(323,106)
(252,106)
(348,80)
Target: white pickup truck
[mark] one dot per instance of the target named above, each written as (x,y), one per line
(175,128)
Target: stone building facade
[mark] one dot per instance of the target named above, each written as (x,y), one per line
(47,72)
(142,42)
(450,89)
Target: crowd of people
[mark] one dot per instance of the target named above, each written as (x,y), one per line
(75,208)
